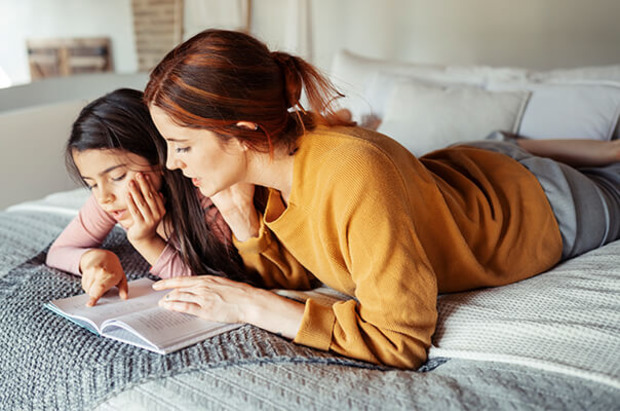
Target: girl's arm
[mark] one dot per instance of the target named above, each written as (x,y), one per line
(76,251)
(576,153)
(86,231)
(146,206)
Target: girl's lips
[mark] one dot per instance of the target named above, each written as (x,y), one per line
(118,215)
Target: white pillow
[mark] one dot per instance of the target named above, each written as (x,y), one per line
(351,74)
(423,117)
(605,73)
(571,111)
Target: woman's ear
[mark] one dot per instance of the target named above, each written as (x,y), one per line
(247,125)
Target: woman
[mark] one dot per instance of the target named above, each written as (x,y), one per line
(114,149)
(353,207)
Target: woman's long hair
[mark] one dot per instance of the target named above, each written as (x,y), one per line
(218,78)
(121,121)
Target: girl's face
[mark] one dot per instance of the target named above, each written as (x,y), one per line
(108,172)
(212,164)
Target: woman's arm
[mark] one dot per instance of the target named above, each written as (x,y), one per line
(576,153)
(222,300)
(258,247)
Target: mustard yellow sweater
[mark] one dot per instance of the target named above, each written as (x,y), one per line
(369,219)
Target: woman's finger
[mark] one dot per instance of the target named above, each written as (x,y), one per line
(181,282)
(182,307)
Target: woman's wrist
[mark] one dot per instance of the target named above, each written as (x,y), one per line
(274,313)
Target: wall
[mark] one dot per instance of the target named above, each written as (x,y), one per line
(537,34)
(23,19)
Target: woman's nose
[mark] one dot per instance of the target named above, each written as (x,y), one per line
(172,163)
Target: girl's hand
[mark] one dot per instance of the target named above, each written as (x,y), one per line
(236,205)
(102,270)
(146,207)
(222,300)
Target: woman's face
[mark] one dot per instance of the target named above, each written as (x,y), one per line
(108,172)
(212,164)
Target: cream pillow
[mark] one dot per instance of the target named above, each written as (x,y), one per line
(571,111)
(351,73)
(424,117)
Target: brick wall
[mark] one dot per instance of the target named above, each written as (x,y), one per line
(158,27)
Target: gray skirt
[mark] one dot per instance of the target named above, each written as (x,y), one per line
(585,201)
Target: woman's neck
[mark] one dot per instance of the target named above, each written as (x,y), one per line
(273,171)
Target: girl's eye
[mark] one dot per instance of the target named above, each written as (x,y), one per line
(91,187)
(182,149)
(119,178)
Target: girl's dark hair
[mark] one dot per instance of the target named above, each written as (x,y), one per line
(218,78)
(121,121)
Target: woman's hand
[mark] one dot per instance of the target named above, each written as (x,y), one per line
(102,270)
(222,300)
(146,207)
(236,205)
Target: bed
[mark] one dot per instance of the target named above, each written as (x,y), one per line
(549,342)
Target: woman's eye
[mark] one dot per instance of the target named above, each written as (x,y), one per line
(182,149)
(119,178)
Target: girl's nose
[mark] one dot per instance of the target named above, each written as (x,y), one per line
(105,196)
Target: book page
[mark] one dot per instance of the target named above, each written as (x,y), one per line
(141,296)
(164,329)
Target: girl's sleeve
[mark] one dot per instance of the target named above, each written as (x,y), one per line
(272,261)
(170,264)
(86,231)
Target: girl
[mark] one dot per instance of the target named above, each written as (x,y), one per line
(357,209)
(113,150)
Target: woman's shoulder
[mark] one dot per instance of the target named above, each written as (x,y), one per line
(354,141)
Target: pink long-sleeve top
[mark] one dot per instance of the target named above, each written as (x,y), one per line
(92,225)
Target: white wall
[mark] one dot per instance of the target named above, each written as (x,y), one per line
(538,34)
(24,19)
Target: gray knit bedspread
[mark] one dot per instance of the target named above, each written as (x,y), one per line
(46,362)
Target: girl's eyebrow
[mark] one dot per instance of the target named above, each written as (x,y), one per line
(176,140)
(107,170)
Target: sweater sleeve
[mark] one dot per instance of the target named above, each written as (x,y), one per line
(272,261)
(86,231)
(393,316)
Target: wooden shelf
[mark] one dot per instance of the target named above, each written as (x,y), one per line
(64,57)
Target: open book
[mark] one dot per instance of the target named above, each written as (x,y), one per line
(138,320)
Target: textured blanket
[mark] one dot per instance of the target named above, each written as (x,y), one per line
(565,320)
(50,363)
